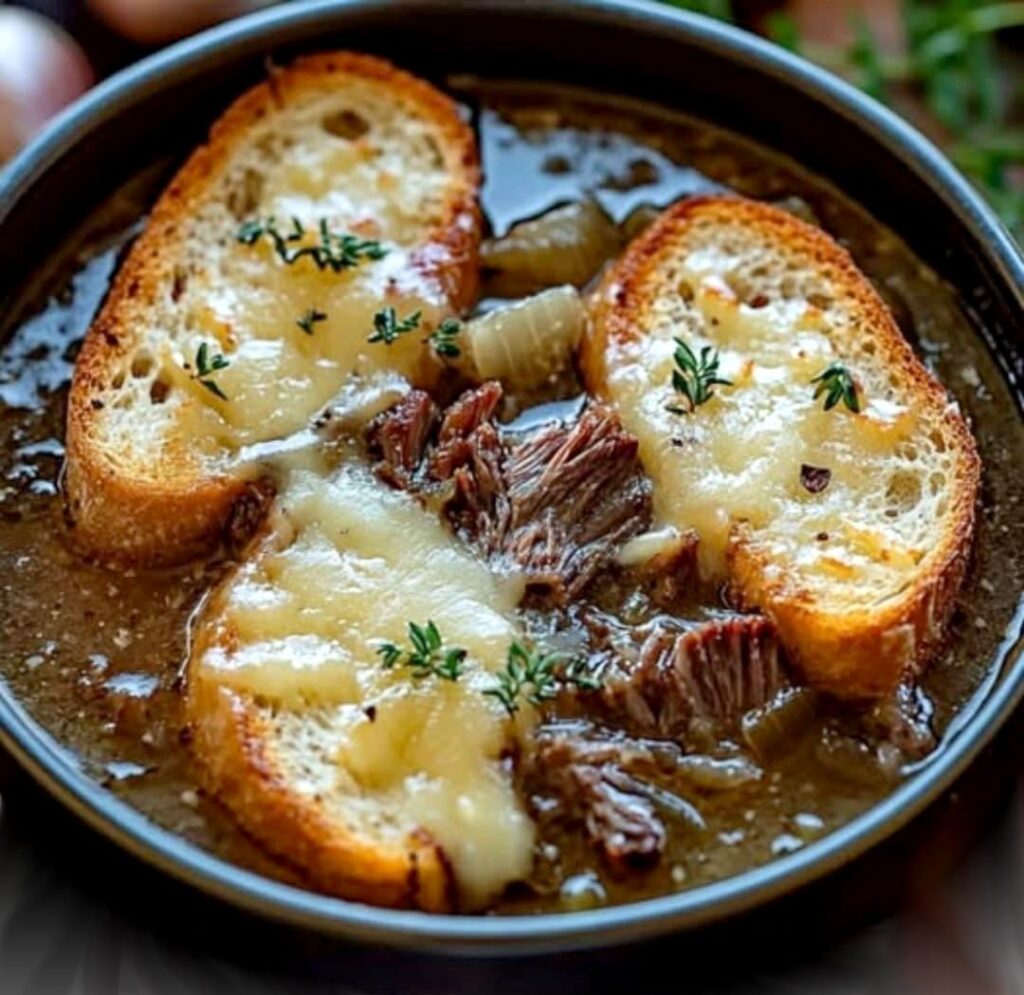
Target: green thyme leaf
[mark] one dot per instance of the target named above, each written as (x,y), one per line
(538,676)
(837,384)
(207,364)
(309,319)
(694,377)
(428,657)
(442,339)
(387,328)
(333,251)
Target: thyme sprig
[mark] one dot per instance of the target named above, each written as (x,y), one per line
(695,377)
(309,319)
(539,676)
(334,251)
(428,657)
(443,337)
(387,328)
(206,365)
(837,384)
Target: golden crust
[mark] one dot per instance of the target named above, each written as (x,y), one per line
(233,740)
(133,515)
(854,653)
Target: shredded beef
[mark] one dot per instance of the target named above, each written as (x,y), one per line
(592,789)
(708,677)
(554,503)
(397,438)
(247,515)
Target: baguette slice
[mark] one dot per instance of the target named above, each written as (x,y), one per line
(157,458)
(850,530)
(377,785)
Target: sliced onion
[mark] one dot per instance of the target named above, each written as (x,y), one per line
(715,774)
(637,220)
(777,727)
(566,245)
(853,760)
(527,343)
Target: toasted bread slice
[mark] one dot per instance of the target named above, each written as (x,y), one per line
(851,530)
(378,784)
(338,149)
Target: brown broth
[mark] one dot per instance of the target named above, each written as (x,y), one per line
(95,656)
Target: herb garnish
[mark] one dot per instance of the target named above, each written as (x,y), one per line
(442,338)
(428,656)
(206,366)
(695,378)
(539,675)
(387,328)
(309,319)
(836,383)
(333,251)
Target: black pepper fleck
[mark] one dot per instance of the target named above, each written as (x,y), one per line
(814,478)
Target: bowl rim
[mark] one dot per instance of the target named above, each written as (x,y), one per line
(54,768)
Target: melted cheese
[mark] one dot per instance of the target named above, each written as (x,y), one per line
(247,303)
(734,465)
(298,627)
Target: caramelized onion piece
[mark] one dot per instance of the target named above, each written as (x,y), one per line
(714,774)
(777,727)
(638,220)
(528,343)
(854,761)
(566,245)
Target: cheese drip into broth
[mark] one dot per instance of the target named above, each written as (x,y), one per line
(348,565)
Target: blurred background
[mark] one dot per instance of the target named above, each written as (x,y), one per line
(954,67)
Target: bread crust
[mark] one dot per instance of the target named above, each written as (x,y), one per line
(853,654)
(233,740)
(131,515)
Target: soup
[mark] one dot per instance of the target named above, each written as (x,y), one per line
(97,655)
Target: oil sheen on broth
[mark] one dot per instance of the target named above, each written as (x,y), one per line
(96,656)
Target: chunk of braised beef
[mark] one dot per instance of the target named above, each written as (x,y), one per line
(397,438)
(554,503)
(474,409)
(671,574)
(690,685)
(581,783)
(247,515)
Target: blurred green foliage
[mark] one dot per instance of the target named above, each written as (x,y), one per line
(953,64)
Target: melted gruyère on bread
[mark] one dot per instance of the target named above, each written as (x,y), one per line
(738,458)
(848,527)
(349,562)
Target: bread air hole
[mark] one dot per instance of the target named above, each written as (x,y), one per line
(244,198)
(179,283)
(902,493)
(158,391)
(434,151)
(345,124)
(142,364)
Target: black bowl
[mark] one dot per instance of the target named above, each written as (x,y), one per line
(638,49)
